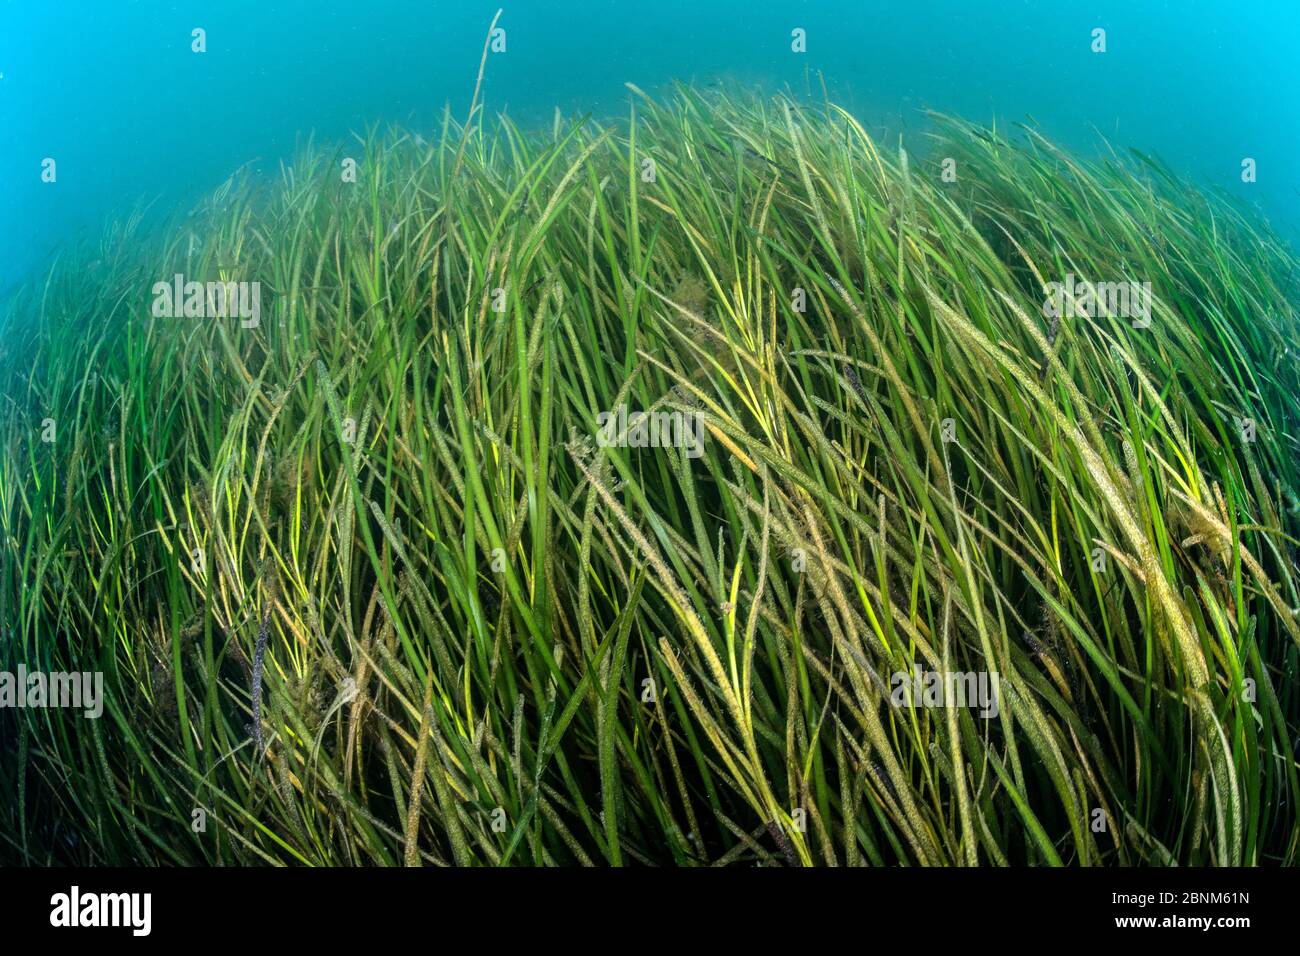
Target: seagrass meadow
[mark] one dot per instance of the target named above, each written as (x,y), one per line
(365,588)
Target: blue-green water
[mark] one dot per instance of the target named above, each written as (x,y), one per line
(113,92)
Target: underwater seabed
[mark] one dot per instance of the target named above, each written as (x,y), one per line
(379,578)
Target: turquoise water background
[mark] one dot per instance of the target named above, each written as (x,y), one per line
(113,92)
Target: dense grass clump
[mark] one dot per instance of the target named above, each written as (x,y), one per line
(365,587)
